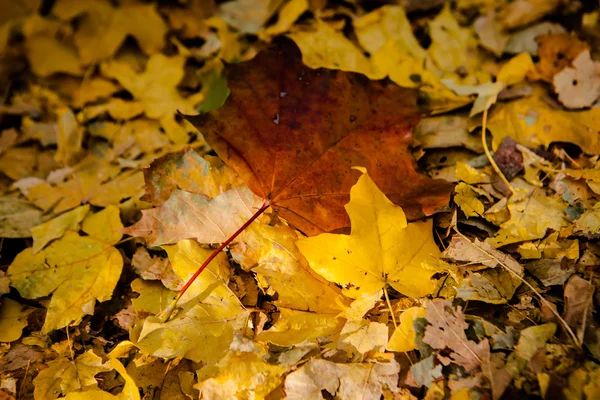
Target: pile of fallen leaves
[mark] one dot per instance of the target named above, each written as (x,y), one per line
(432,171)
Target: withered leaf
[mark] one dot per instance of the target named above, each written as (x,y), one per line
(293,134)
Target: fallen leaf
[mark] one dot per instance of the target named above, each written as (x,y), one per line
(447,330)
(491,34)
(186,170)
(156,87)
(525,40)
(534,123)
(578,303)
(69,139)
(588,224)
(294,327)
(271,252)
(343,381)
(78,270)
(187,215)
(532,214)
(155,268)
(533,339)
(466,198)
(322,46)
(64,376)
(46,53)
(403,338)
(55,228)
(247,16)
(364,336)
(17,217)
(424,373)
(287,123)
(153,297)
(377,252)
(13,318)
(578,86)
(102,28)
(240,376)
(130,390)
(450,43)
(556,52)
(478,252)
(522,12)
(210,311)
(551,272)
(288,14)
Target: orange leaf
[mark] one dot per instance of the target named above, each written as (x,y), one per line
(293,134)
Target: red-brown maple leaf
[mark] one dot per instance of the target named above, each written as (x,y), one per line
(294,134)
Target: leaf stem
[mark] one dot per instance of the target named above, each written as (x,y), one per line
(166,314)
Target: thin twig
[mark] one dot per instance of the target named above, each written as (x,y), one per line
(489,155)
(166,314)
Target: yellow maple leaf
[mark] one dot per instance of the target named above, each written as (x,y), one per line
(532,213)
(323,46)
(381,249)
(102,28)
(156,87)
(55,228)
(294,327)
(130,390)
(203,329)
(66,376)
(533,122)
(272,254)
(13,318)
(240,375)
(78,270)
(403,338)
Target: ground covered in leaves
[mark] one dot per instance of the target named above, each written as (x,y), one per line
(432,170)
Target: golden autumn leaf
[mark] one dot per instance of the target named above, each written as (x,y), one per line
(203,329)
(77,270)
(156,87)
(381,249)
(64,376)
(55,228)
(102,28)
(13,318)
(240,375)
(403,338)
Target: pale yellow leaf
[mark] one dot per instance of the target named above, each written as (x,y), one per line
(403,338)
(104,225)
(13,318)
(78,270)
(56,227)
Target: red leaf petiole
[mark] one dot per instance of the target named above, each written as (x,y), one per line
(166,314)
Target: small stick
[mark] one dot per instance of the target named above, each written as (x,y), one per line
(489,155)
(166,314)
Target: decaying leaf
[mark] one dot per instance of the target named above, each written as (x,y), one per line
(378,251)
(447,330)
(17,217)
(187,215)
(578,86)
(344,381)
